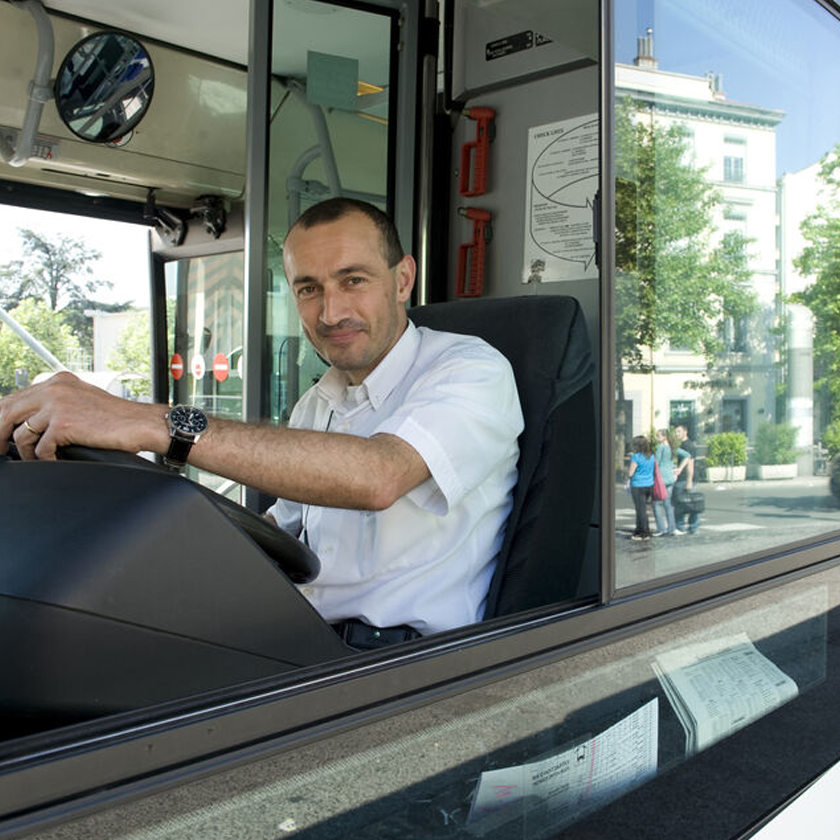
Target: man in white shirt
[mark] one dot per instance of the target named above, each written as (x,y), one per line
(397,468)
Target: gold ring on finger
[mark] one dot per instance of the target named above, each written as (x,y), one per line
(30,429)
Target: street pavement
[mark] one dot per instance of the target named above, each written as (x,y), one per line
(741,518)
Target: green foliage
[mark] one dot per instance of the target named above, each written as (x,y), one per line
(820,259)
(13,284)
(775,443)
(727,449)
(133,354)
(47,327)
(675,279)
(57,271)
(831,438)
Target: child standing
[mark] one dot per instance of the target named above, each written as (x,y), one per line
(640,474)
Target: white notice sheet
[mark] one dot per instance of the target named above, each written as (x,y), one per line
(562,182)
(574,781)
(719,686)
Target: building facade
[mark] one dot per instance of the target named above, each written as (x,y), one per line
(764,371)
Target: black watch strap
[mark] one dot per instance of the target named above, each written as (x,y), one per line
(179,450)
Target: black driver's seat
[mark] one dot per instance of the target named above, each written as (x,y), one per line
(550,532)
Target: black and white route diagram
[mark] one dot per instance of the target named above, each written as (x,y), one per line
(562,182)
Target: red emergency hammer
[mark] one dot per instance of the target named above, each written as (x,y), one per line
(470,283)
(472,180)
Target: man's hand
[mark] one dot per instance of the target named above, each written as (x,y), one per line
(65,410)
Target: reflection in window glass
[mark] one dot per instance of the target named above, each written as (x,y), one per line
(727,364)
(329,136)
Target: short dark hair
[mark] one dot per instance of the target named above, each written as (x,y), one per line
(333,209)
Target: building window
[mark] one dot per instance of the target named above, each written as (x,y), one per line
(734,149)
(733,415)
(733,334)
(733,169)
(736,212)
(682,414)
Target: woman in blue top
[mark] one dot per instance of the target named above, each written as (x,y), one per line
(640,473)
(666,452)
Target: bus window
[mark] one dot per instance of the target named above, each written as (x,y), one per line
(724,364)
(329,135)
(204,304)
(80,287)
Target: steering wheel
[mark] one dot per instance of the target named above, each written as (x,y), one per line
(295,559)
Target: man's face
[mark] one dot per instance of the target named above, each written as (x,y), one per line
(681,433)
(350,303)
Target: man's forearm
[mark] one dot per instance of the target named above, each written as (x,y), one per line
(321,468)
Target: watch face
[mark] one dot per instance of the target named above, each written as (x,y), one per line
(186,418)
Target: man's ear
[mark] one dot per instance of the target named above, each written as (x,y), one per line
(405,272)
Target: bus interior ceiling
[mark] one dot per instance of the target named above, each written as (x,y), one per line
(192,142)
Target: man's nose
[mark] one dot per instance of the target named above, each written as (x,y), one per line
(333,306)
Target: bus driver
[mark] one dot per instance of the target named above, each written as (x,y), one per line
(397,467)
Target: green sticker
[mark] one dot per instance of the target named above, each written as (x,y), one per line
(331,80)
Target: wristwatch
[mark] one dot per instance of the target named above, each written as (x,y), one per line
(186,425)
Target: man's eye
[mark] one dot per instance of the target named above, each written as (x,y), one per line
(355,281)
(306,291)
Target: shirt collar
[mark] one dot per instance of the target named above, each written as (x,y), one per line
(380,382)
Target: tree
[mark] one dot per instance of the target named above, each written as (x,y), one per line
(13,284)
(58,271)
(81,325)
(48,327)
(820,259)
(133,354)
(675,278)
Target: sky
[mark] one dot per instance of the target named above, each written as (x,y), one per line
(781,55)
(123,247)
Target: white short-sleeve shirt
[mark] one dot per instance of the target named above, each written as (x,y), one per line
(428,559)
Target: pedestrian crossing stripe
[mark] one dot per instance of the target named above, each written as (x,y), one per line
(732,526)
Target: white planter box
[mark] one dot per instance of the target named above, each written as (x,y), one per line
(726,473)
(770,471)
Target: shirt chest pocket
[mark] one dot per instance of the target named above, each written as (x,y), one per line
(344,541)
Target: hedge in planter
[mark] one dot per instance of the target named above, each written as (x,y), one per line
(728,449)
(775,444)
